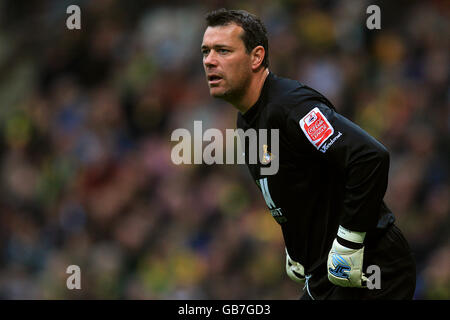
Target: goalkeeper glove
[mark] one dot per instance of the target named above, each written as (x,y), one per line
(294,269)
(345,260)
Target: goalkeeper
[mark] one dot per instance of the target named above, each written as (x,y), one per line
(327,195)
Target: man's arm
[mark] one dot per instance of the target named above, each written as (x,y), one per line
(344,145)
(364,163)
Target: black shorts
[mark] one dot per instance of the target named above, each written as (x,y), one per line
(391,253)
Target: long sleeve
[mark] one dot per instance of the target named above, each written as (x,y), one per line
(364,162)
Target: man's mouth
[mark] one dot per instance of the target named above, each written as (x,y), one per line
(214,79)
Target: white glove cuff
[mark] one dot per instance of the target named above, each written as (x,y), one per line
(295,270)
(353,236)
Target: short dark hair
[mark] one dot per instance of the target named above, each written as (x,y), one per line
(255,33)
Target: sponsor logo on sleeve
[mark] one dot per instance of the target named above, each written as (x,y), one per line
(325,147)
(316,127)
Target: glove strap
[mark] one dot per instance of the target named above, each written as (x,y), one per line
(350,239)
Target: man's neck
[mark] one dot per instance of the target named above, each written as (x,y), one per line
(253,92)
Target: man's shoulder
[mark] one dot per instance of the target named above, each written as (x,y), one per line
(288,93)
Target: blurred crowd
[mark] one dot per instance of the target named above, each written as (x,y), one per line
(86,118)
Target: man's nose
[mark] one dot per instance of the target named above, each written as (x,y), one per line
(210,60)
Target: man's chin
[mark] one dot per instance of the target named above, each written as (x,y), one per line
(216,93)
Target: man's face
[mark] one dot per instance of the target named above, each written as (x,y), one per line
(226,62)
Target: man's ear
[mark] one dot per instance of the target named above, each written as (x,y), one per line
(257,56)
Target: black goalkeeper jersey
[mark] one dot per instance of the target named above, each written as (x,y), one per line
(331,172)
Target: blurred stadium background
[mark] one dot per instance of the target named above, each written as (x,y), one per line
(85,123)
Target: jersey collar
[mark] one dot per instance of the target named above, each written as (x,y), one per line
(251,114)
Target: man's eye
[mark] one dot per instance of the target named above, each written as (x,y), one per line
(205,52)
(222,50)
